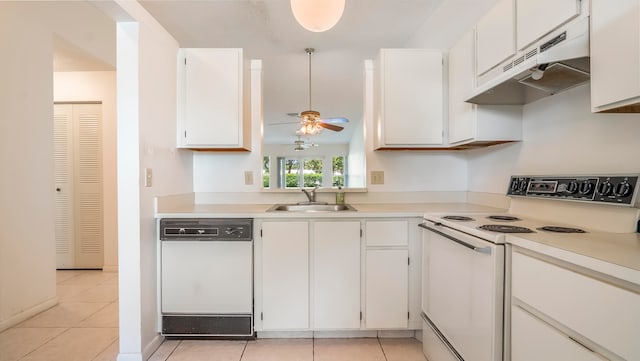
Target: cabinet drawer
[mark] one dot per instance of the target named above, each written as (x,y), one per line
(387,233)
(602,312)
(532,340)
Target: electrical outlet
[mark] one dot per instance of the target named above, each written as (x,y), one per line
(377,177)
(148,177)
(248,177)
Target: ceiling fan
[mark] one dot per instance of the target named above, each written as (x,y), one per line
(310,121)
(302,145)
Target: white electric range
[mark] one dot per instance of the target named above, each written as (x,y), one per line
(464,257)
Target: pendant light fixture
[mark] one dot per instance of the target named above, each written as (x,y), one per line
(317,15)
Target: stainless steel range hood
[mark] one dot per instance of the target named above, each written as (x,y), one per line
(549,67)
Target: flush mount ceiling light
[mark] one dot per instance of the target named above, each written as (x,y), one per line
(317,15)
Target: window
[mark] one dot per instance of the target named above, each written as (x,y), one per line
(265,172)
(301,172)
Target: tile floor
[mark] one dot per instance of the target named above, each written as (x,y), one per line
(84,327)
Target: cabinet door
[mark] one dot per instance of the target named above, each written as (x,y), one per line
(212,97)
(533,340)
(536,18)
(615,55)
(387,283)
(285,275)
(462,125)
(412,97)
(495,34)
(336,275)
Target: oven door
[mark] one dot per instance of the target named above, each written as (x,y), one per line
(463,285)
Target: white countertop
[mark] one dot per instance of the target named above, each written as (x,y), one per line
(364,210)
(614,254)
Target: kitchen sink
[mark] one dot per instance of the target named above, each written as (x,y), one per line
(311,208)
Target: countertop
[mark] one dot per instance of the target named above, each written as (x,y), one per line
(364,210)
(613,254)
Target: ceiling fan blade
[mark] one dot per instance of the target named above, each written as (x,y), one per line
(297,115)
(335,128)
(335,120)
(284,123)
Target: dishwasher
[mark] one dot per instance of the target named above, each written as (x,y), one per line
(206,277)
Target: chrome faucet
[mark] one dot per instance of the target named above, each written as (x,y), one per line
(311,195)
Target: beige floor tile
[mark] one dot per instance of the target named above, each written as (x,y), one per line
(106,317)
(17,342)
(163,352)
(92,278)
(66,292)
(101,293)
(402,349)
(75,344)
(110,353)
(200,350)
(63,315)
(63,275)
(357,349)
(279,350)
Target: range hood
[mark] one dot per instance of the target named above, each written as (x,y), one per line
(555,64)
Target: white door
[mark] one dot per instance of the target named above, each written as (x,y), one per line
(78,185)
(285,275)
(387,289)
(336,275)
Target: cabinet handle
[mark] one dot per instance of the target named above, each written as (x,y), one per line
(580,343)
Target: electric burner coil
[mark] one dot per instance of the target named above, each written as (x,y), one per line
(502,228)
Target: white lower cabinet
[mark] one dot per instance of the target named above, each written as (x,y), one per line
(285,275)
(569,302)
(387,289)
(535,340)
(319,275)
(336,275)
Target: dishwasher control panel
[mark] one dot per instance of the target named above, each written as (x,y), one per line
(206,229)
(611,189)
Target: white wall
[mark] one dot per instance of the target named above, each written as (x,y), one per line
(98,86)
(27,246)
(561,136)
(146,89)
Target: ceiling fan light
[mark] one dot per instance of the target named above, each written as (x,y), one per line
(317,15)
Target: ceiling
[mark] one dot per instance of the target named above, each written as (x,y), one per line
(267,30)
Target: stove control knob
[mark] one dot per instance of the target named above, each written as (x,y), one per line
(572,187)
(586,187)
(605,188)
(523,185)
(514,185)
(623,189)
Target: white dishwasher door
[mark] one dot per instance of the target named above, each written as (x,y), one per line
(206,277)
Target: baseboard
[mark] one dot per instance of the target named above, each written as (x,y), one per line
(28,313)
(152,347)
(110,268)
(397,333)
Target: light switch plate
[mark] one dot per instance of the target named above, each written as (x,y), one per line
(248,177)
(377,177)
(148,177)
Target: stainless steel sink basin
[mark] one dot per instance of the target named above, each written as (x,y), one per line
(311,208)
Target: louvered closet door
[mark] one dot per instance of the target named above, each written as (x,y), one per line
(79,210)
(63,152)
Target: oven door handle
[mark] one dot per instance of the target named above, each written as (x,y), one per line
(485,250)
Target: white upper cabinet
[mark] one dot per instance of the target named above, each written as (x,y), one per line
(408,97)
(495,34)
(211,100)
(615,56)
(536,18)
(470,123)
